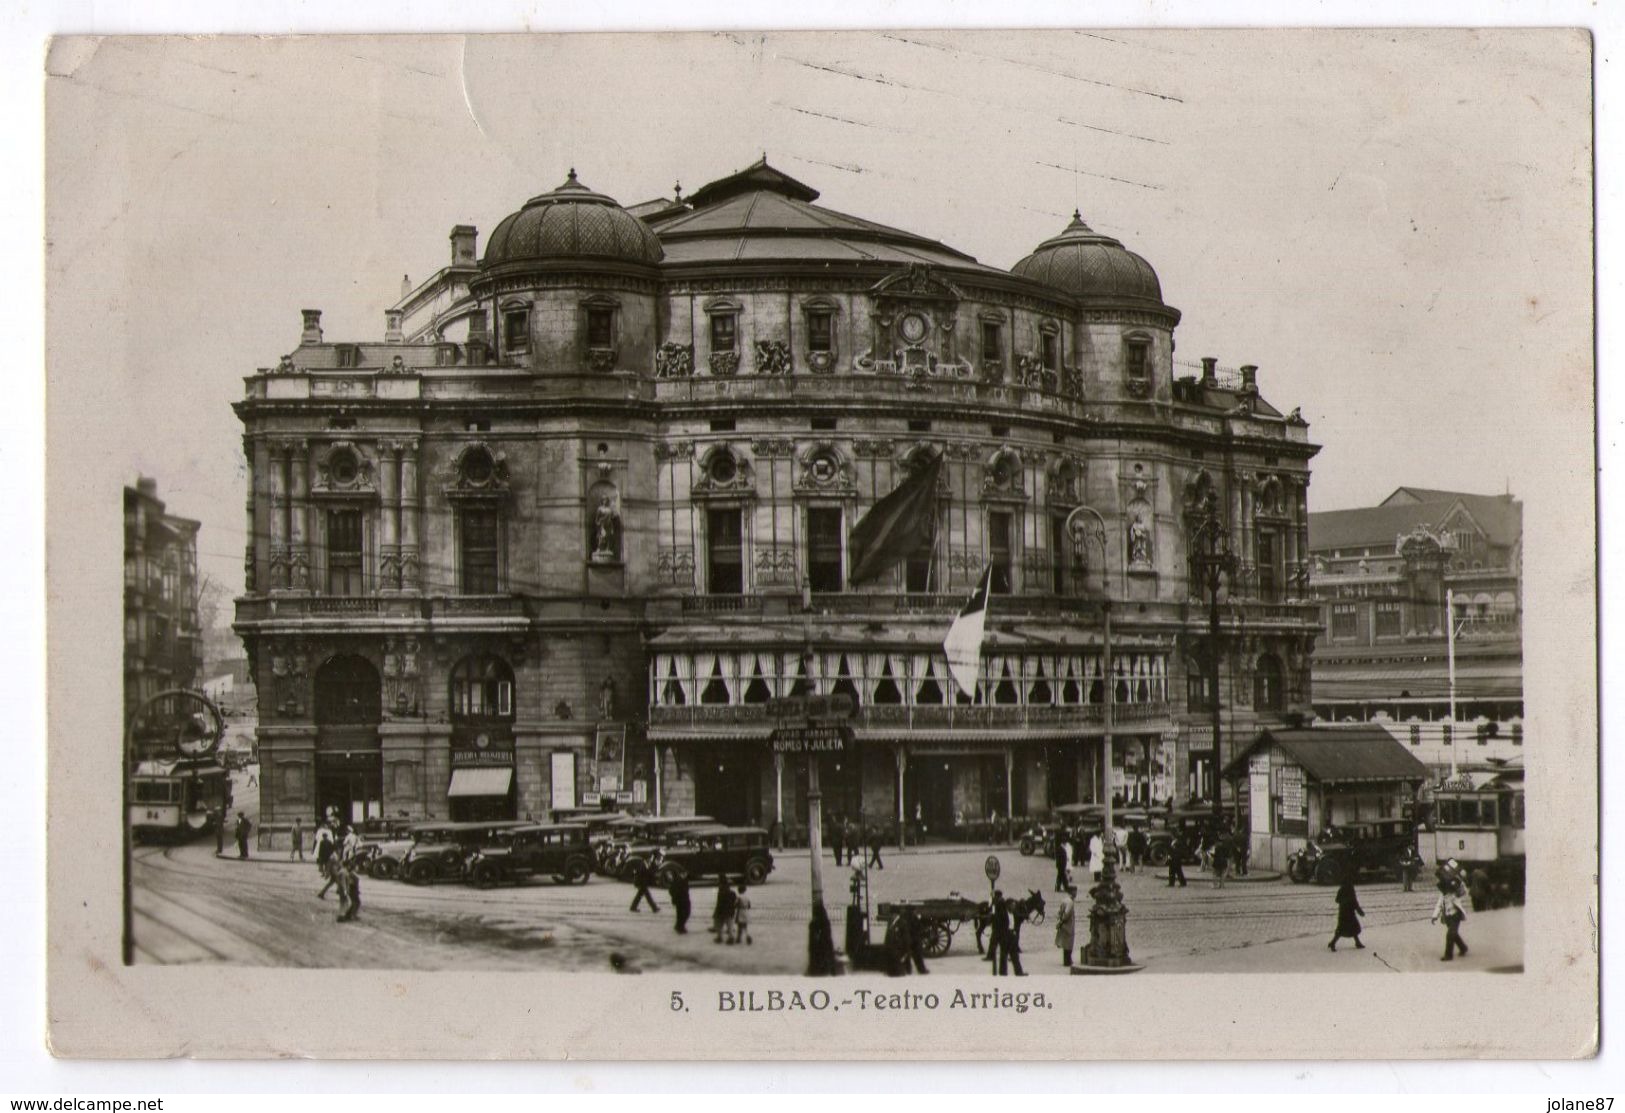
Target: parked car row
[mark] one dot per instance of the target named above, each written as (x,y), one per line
(569,852)
(1194,826)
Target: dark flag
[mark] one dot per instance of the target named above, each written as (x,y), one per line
(898,525)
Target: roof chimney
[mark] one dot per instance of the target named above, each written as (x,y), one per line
(1210,371)
(463,238)
(1249,378)
(392,325)
(406,285)
(147,486)
(313,326)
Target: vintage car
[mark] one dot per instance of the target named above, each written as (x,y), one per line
(640,835)
(556,850)
(717,851)
(1346,850)
(440,851)
(1194,826)
(384,842)
(1039,838)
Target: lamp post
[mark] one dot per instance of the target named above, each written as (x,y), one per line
(1107,948)
(1211,562)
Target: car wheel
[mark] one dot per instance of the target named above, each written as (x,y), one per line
(1027,847)
(421,873)
(667,875)
(577,871)
(484,876)
(756,871)
(936,939)
(1328,872)
(385,869)
(1159,855)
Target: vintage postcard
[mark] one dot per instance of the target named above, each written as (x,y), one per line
(931,544)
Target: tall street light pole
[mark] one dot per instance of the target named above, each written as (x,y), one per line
(1212,561)
(1107,948)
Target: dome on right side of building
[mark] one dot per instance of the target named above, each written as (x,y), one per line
(1086,264)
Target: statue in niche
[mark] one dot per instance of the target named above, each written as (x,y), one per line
(606,530)
(1139,540)
(606,699)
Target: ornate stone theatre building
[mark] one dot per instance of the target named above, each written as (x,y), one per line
(564,532)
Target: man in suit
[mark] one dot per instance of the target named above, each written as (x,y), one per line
(1176,861)
(643,876)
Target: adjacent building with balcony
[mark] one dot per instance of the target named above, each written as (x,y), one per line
(584,512)
(161,636)
(1382,575)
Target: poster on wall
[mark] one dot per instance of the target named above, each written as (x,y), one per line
(610,758)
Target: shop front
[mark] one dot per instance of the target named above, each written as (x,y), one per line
(482,781)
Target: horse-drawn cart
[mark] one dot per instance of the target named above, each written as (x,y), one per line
(938,918)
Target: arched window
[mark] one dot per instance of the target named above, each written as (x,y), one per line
(482,688)
(1267,688)
(348,691)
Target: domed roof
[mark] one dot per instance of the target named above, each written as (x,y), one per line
(1086,264)
(571,222)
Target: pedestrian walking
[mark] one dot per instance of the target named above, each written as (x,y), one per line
(220,834)
(1221,862)
(722,917)
(837,839)
(678,891)
(242,830)
(1348,917)
(1176,862)
(999,930)
(326,851)
(1063,862)
(874,849)
(349,875)
(1136,845)
(1410,864)
(742,914)
(643,876)
(1066,924)
(1448,908)
(1097,855)
(1478,886)
(297,846)
(1240,851)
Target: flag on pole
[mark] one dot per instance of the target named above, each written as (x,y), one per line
(963,645)
(898,525)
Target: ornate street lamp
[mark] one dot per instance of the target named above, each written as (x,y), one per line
(1211,562)
(1107,949)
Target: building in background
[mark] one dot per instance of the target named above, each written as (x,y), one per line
(1382,575)
(562,534)
(161,636)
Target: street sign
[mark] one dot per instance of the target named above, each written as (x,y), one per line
(836,706)
(991,867)
(811,739)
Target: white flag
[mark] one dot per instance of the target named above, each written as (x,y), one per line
(963,645)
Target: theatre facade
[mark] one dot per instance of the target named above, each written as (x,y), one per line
(575,527)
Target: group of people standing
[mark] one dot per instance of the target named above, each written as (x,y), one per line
(849,841)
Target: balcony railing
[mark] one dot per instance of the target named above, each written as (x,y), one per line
(722,604)
(924,717)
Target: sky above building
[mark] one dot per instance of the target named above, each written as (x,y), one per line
(1394,226)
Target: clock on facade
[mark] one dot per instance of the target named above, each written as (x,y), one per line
(913,328)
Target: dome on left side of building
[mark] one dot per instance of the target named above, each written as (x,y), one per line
(571,222)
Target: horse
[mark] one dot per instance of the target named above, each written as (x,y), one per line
(1030,909)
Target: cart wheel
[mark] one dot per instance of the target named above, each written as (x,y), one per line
(938,938)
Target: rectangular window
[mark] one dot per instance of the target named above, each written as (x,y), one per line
(516,330)
(992,342)
(824,548)
(919,571)
(600,328)
(820,335)
(480,530)
(132,630)
(1198,686)
(725,552)
(1137,362)
(724,332)
(998,550)
(1416,735)
(349,355)
(1050,350)
(1345,620)
(344,552)
(1387,620)
(1269,572)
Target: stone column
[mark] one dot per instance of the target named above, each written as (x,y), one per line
(278,517)
(298,511)
(250,546)
(389,513)
(411,577)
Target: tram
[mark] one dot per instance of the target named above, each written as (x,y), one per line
(1477,819)
(178,798)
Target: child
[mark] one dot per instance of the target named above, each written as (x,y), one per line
(741,915)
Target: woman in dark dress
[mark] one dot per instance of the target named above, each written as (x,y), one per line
(1348,917)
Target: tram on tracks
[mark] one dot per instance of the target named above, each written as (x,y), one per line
(176,799)
(1477,820)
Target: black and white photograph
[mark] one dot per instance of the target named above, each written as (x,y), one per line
(872,514)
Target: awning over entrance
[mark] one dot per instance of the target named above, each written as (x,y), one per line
(480,782)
